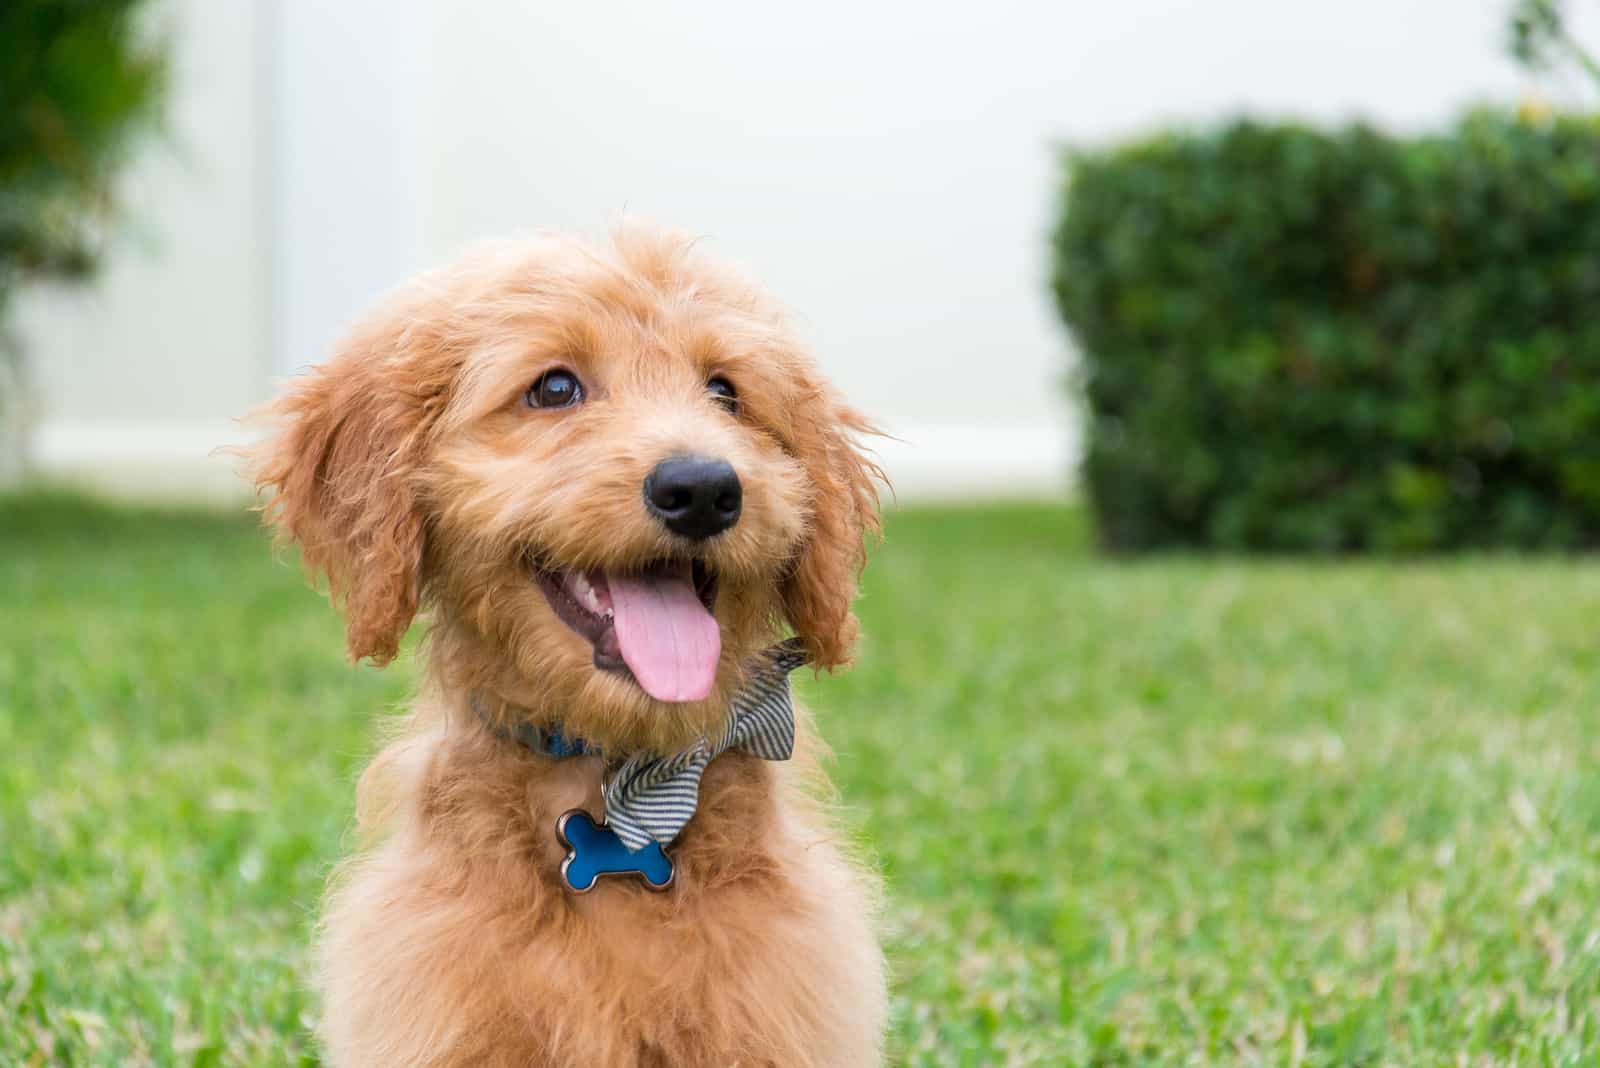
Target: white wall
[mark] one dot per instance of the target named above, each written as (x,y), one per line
(346,80)
(889,169)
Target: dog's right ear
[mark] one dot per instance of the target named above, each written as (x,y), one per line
(821,586)
(336,473)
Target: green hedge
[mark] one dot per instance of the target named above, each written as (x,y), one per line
(1302,340)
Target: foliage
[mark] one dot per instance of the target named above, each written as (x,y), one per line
(1541,40)
(1304,340)
(1160,811)
(78,83)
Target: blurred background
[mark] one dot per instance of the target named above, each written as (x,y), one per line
(893,178)
(1228,684)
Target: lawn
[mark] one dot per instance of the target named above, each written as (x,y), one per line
(1177,810)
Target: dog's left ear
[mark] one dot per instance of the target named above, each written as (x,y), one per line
(336,472)
(821,585)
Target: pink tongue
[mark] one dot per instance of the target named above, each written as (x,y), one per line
(668,639)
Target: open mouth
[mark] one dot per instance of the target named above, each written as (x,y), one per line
(653,624)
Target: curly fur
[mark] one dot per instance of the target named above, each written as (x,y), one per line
(413,477)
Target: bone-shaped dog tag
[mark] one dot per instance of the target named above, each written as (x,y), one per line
(594,850)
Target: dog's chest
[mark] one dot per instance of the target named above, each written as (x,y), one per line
(725,946)
(718,965)
(760,954)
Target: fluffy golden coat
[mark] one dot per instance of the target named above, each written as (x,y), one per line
(414,475)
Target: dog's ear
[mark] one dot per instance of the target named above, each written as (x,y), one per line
(336,471)
(821,585)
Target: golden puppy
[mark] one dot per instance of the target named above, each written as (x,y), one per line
(613,476)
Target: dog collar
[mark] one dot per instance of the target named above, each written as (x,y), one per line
(547,741)
(648,797)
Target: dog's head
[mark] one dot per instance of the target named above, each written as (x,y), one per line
(612,471)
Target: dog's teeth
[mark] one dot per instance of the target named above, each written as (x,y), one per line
(583,592)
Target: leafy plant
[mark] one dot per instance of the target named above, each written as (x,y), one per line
(79,82)
(1302,340)
(1542,40)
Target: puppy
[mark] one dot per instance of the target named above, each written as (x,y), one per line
(614,479)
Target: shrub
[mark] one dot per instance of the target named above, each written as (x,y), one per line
(78,84)
(1301,340)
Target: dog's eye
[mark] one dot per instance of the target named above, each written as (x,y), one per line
(555,389)
(723,390)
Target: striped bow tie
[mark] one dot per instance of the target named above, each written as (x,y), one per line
(650,798)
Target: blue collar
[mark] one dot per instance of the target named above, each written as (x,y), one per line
(548,740)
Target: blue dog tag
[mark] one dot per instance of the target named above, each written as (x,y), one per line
(593,850)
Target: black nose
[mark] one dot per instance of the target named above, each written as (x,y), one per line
(694,496)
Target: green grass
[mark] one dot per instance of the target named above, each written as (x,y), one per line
(1176,811)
